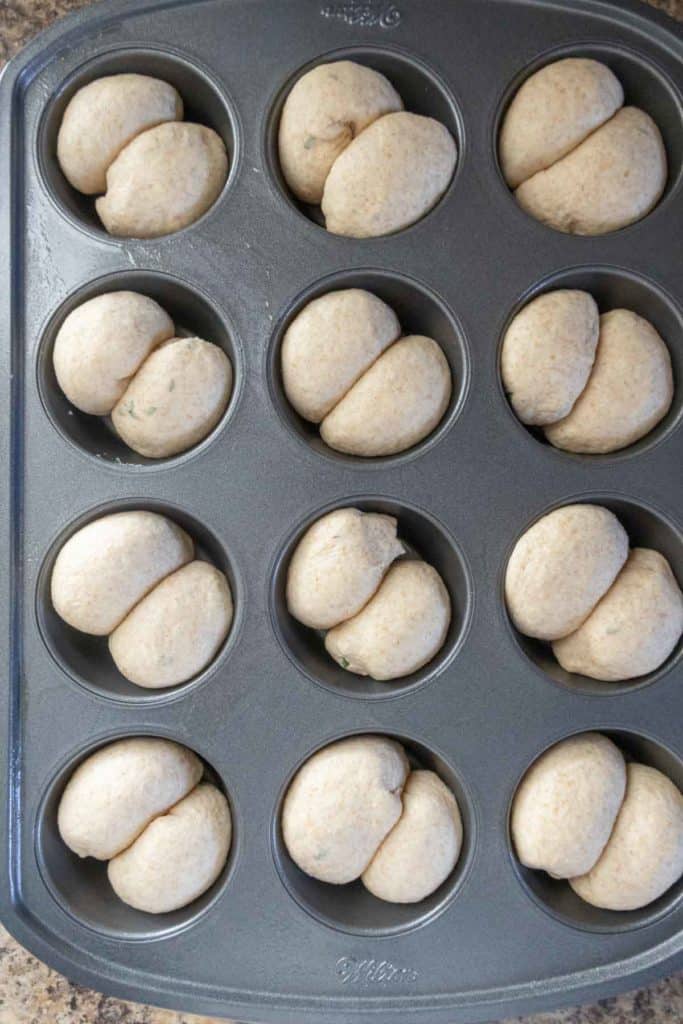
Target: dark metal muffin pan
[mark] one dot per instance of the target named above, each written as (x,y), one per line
(266,943)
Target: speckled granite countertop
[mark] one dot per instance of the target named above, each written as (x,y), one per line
(31,993)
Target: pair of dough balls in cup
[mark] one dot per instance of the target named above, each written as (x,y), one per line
(133,577)
(346,368)
(347,145)
(613,829)
(577,159)
(383,615)
(123,138)
(355,809)
(117,355)
(141,805)
(594,384)
(611,613)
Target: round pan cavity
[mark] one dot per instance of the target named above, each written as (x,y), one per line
(556,897)
(351,908)
(86,659)
(193,314)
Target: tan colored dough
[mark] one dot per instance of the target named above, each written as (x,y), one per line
(400,629)
(176,630)
(566,805)
(341,804)
(644,856)
(629,391)
(422,848)
(613,178)
(553,111)
(633,629)
(395,404)
(561,567)
(108,565)
(175,399)
(102,117)
(119,789)
(338,565)
(390,176)
(329,344)
(102,343)
(178,856)
(325,110)
(163,180)
(547,355)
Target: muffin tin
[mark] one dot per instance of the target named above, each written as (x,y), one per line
(266,943)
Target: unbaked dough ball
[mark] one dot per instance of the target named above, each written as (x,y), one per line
(325,110)
(102,117)
(329,344)
(341,804)
(401,628)
(633,629)
(178,856)
(338,565)
(561,567)
(175,399)
(422,848)
(163,180)
(547,355)
(628,392)
(102,343)
(119,789)
(108,565)
(566,804)
(176,630)
(395,404)
(554,110)
(390,176)
(644,855)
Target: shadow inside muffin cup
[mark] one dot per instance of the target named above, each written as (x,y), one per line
(556,897)
(80,885)
(193,315)
(645,528)
(419,311)
(86,659)
(351,908)
(203,103)
(423,537)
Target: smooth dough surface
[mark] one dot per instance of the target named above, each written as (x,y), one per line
(102,117)
(400,629)
(547,355)
(566,804)
(629,390)
(175,399)
(644,856)
(391,175)
(395,404)
(163,180)
(338,565)
(341,804)
(422,848)
(552,112)
(108,565)
(613,178)
(119,789)
(329,344)
(324,111)
(178,856)
(176,630)
(633,629)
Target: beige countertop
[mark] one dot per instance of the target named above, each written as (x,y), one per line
(31,993)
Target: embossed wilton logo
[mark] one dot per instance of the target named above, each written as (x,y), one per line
(368,14)
(351,971)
